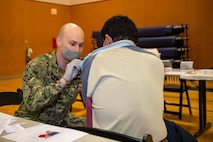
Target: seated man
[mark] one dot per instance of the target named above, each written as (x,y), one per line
(123,84)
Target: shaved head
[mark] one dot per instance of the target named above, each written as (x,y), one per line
(70,27)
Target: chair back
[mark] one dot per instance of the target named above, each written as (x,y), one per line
(113,135)
(11,98)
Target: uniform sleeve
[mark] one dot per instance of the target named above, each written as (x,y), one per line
(39,87)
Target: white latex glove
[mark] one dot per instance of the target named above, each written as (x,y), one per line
(72,70)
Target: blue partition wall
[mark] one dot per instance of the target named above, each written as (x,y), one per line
(170,40)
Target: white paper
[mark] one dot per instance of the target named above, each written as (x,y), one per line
(32,134)
(13,128)
(6,124)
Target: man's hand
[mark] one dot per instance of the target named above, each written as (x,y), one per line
(72,70)
(80,87)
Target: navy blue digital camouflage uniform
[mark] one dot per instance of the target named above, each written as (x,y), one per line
(44,99)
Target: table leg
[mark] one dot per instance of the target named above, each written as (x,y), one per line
(203,126)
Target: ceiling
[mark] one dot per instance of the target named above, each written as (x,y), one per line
(69,2)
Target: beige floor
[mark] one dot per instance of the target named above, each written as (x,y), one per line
(189,122)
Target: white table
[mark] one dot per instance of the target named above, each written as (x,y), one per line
(200,75)
(33,129)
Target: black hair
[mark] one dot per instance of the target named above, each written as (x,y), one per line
(120,27)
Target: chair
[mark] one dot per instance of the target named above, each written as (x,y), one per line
(179,88)
(11,98)
(113,135)
(79,100)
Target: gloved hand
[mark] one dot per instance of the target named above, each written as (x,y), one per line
(72,70)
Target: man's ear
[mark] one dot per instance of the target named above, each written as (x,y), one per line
(58,41)
(108,40)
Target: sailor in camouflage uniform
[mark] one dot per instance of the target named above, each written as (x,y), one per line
(51,81)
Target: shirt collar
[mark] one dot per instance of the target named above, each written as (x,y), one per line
(114,45)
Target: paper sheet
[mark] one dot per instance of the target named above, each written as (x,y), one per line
(6,124)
